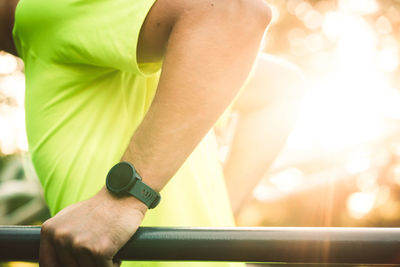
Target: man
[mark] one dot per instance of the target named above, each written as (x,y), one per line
(92,100)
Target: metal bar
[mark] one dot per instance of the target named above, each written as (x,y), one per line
(261,244)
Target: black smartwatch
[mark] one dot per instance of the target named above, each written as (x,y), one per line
(123,179)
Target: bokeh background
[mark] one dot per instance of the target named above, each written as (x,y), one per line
(341,163)
(340,166)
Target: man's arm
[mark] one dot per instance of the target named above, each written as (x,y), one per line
(209,49)
(267,110)
(7,11)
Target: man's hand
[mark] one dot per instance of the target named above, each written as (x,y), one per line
(91,232)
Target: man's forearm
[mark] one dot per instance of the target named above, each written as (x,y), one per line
(203,70)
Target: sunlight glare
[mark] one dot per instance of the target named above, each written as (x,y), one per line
(288,179)
(383,25)
(360,203)
(348,104)
(312,19)
(8,63)
(362,7)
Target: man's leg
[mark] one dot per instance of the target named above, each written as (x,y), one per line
(267,110)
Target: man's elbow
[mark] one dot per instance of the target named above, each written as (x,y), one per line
(258,12)
(253,17)
(247,19)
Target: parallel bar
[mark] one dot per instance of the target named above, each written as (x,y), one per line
(264,244)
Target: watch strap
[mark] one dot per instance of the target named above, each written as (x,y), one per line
(145,194)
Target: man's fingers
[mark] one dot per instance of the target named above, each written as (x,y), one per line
(104,263)
(117,263)
(65,256)
(85,258)
(47,253)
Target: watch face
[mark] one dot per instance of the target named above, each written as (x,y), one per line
(120,177)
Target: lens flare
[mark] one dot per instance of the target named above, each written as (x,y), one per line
(360,204)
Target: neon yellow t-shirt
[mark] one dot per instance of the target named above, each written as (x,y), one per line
(85,96)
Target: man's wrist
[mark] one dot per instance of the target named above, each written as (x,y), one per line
(153,177)
(127,201)
(123,179)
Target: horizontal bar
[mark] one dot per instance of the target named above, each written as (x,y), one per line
(261,244)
